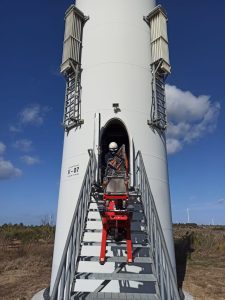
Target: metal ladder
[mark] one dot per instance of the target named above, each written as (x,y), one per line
(72,108)
(161,103)
(150,276)
(158,110)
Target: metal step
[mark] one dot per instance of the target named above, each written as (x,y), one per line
(112,244)
(96,210)
(100,231)
(93,209)
(100,220)
(117,259)
(116,276)
(118,296)
(103,201)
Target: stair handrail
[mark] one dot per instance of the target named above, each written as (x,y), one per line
(68,264)
(162,266)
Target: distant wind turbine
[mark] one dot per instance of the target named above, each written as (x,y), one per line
(188,215)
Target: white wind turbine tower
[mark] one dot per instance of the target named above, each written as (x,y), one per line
(115,63)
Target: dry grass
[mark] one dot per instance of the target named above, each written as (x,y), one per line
(204,276)
(24,270)
(205,281)
(25,265)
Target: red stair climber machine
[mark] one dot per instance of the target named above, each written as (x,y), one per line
(116,212)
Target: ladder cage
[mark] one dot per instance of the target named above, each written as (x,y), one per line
(157,21)
(71,66)
(72,46)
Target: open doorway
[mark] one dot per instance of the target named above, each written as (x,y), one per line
(114,131)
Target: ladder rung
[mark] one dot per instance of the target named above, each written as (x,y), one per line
(159,112)
(160,105)
(160,90)
(160,96)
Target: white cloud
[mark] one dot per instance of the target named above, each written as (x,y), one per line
(2,148)
(23,145)
(13,128)
(7,170)
(30,160)
(221,201)
(190,117)
(33,114)
(173,146)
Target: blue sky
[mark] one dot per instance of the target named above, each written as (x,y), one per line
(32,96)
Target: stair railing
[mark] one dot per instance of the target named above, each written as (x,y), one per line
(67,268)
(166,278)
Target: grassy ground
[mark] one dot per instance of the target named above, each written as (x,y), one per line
(200,256)
(24,271)
(26,255)
(25,260)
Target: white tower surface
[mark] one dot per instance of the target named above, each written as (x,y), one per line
(116,100)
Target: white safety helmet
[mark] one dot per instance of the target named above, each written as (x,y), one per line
(113,147)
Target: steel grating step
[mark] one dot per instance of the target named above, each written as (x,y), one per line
(96,210)
(112,244)
(118,296)
(103,201)
(100,220)
(135,205)
(117,259)
(116,276)
(100,231)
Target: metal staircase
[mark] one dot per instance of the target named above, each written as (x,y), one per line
(115,273)
(150,276)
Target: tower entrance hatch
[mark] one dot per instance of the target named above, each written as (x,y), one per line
(114,131)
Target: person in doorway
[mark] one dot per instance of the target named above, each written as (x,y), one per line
(116,160)
(116,178)
(113,148)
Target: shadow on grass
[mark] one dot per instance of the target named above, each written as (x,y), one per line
(184,247)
